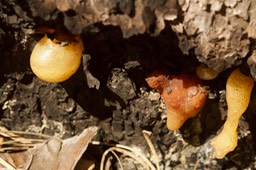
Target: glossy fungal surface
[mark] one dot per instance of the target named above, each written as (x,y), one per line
(206,73)
(183,96)
(58,59)
(238,92)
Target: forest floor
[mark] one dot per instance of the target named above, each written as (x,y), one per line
(120,103)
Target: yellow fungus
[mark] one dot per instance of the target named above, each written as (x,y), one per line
(206,73)
(238,92)
(56,60)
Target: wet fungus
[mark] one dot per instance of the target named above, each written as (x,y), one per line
(238,92)
(183,96)
(206,73)
(58,59)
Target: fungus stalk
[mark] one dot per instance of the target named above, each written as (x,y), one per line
(238,92)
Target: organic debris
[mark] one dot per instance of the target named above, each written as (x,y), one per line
(54,154)
(131,152)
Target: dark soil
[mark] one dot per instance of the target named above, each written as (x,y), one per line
(123,105)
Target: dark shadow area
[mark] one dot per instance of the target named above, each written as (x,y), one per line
(210,118)
(138,56)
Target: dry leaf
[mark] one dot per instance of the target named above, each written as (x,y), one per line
(55,154)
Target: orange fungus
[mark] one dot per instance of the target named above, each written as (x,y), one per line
(183,96)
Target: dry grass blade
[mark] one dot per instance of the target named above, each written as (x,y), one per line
(196,164)
(14,137)
(31,133)
(146,135)
(18,143)
(128,151)
(33,141)
(91,167)
(118,160)
(125,152)
(6,164)
(14,149)
(138,154)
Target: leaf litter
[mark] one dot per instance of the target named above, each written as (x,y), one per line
(53,154)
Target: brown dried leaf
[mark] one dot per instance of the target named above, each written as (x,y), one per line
(73,148)
(55,154)
(16,159)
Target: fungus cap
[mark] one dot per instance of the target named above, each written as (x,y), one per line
(183,96)
(56,60)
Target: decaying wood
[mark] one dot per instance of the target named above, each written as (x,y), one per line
(218,31)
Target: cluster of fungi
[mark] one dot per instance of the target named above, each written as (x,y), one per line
(184,95)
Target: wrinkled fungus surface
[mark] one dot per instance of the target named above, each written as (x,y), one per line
(183,96)
(238,92)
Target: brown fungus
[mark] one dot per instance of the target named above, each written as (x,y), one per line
(183,96)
